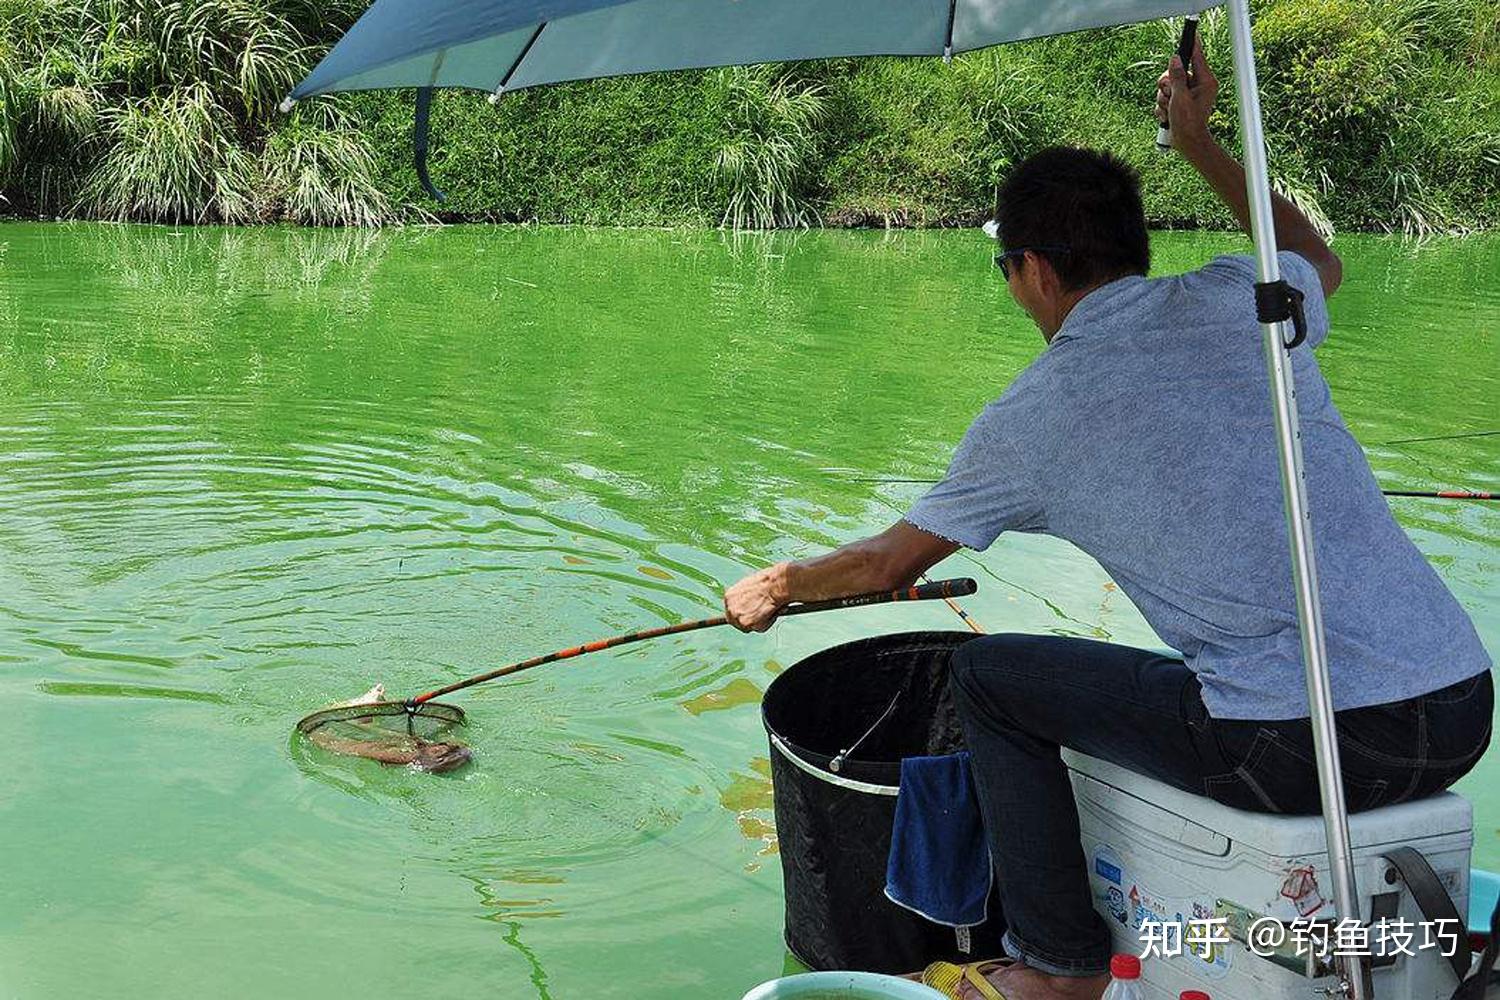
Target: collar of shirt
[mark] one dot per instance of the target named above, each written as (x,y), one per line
(1097,304)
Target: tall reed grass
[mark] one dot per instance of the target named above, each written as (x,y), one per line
(770,135)
(164,111)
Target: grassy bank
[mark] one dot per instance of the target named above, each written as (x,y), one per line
(1382,115)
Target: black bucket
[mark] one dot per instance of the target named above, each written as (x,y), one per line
(834,814)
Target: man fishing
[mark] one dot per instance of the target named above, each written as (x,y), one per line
(1141,434)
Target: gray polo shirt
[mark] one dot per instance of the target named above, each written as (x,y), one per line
(1144,436)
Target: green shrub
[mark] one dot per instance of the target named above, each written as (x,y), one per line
(1330,71)
(1380,114)
(1384,105)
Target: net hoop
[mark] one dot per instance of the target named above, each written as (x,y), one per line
(436,710)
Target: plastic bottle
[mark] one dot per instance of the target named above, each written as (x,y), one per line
(1124,979)
(1193,995)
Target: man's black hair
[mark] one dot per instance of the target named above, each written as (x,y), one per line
(1083,199)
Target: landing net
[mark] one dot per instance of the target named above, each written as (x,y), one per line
(391,732)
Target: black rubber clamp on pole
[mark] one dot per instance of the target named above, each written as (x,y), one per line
(1277,302)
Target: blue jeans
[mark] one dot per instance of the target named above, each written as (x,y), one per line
(1021,697)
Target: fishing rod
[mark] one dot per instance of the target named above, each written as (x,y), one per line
(958,609)
(1439,437)
(1429,494)
(1444,494)
(939,590)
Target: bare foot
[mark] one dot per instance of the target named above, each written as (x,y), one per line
(1019,982)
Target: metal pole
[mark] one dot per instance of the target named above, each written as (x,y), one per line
(1294,494)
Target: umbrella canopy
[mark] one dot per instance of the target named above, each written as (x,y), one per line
(502,45)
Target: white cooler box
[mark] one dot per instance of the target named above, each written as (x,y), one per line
(1159,855)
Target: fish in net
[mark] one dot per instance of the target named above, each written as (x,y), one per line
(391,732)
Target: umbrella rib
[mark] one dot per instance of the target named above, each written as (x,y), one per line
(516,63)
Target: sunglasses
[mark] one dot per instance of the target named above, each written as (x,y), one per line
(1002,259)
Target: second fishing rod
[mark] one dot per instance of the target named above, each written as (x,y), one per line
(1426,494)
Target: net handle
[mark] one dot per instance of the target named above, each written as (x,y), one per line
(934,591)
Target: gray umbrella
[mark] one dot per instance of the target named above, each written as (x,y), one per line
(500,45)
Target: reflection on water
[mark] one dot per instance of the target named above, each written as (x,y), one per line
(245,473)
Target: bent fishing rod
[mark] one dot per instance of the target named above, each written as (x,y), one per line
(1428,494)
(1444,494)
(938,590)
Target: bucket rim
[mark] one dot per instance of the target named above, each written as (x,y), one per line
(794,756)
(869,984)
(815,762)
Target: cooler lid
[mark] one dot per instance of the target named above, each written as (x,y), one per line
(1204,820)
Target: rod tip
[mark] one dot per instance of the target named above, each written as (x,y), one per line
(286,105)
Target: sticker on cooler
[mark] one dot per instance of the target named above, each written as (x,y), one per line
(1301,887)
(1213,957)
(1108,878)
(1133,904)
(1114,902)
(1107,865)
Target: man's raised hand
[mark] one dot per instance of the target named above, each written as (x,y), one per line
(1185,109)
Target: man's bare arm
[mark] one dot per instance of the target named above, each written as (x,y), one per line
(887,561)
(1186,109)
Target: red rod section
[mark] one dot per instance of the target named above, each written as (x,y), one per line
(1444,494)
(1431,494)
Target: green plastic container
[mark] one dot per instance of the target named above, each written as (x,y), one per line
(842,986)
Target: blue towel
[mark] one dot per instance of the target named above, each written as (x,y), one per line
(939,865)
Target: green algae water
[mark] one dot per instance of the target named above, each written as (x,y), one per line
(247,473)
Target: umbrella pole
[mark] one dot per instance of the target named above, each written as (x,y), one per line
(1294,491)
